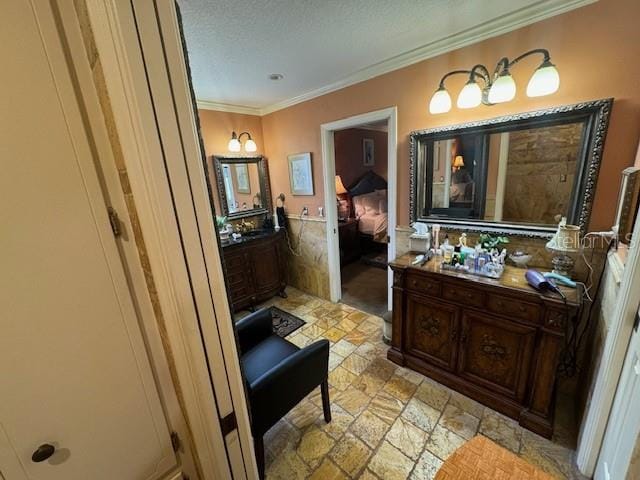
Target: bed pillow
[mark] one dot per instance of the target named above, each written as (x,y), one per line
(382,205)
(371,203)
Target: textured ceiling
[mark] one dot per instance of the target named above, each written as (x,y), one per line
(235,44)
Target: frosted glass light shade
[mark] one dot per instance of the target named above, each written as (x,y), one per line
(470,95)
(544,81)
(234,145)
(250,146)
(440,102)
(503,89)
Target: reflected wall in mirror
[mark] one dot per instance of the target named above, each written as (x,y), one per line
(242,186)
(518,174)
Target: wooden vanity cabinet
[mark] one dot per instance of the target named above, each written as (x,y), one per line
(254,270)
(497,341)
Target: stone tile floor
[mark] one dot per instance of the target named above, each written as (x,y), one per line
(389,422)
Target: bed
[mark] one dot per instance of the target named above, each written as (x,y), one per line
(369,199)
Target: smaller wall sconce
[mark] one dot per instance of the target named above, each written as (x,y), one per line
(235,145)
(499,87)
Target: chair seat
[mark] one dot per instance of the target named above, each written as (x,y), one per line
(265,356)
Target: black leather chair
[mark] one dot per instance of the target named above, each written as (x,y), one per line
(278,374)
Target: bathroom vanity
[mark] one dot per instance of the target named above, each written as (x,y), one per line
(496,341)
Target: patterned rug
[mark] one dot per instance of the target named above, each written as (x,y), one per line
(375,259)
(284,323)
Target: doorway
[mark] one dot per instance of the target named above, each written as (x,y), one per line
(360,234)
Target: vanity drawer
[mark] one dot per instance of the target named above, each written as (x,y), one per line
(462,295)
(511,307)
(424,285)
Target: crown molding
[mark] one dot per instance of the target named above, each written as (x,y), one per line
(493,28)
(226,107)
(507,23)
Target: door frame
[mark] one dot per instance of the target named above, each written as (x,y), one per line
(140,50)
(613,356)
(390,115)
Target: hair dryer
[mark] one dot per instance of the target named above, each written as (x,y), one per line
(540,282)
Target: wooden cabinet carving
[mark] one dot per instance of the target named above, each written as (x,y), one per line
(497,341)
(254,270)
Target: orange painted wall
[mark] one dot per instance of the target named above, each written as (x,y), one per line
(216,128)
(596,49)
(349,157)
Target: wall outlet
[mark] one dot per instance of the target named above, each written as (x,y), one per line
(305,211)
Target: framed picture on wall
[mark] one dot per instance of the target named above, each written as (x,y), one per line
(301,174)
(368,158)
(242,178)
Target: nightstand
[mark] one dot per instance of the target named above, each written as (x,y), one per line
(349,238)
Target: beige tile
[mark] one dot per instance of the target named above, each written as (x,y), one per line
(347,325)
(287,466)
(281,437)
(421,415)
(328,471)
(323,323)
(320,313)
(341,378)
(356,364)
(502,430)
(314,445)
(367,475)
(303,414)
(369,428)
(351,454)
(381,368)
(334,334)
(343,348)
(368,383)
(465,403)
(357,337)
(371,327)
(340,422)
(390,463)
(315,396)
(357,316)
(334,359)
(386,406)
(367,350)
(443,442)
(353,400)
(400,388)
(312,331)
(459,422)
(552,458)
(299,339)
(427,467)
(433,394)
(408,438)
(408,374)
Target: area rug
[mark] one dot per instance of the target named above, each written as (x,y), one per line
(284,323)
(481,459)
(375,259)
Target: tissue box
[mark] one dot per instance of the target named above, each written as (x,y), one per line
(419,243)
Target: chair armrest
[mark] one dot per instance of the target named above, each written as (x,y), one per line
(282,387)
(253,329)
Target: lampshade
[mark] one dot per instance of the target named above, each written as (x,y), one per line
(470,95)
(234,145)
(458,162)
(440,102)
(340,186)
(250,146)
(568,238)
(503,89)
(544,81)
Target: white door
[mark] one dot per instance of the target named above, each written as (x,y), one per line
(624,422)
(74,373)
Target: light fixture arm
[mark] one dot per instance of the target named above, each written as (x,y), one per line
(239,137)
(471,73)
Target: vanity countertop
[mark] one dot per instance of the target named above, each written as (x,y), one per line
(253,236)
(512,278)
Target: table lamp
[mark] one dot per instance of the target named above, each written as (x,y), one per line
(565,243)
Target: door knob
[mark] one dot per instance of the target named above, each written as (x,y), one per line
(43,452)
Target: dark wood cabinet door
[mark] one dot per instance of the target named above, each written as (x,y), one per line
(266,267)
(432,331)
(496,353)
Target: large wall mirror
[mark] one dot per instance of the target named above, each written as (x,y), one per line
(243,186)
(516,174)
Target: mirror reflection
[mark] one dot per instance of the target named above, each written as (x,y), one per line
(242,186)
(521,176)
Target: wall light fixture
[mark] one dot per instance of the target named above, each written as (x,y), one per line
(499,87)
(235,145)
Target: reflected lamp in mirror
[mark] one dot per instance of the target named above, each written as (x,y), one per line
(497,87)
(517,173)
(235,144)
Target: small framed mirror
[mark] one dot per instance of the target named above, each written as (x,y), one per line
(243,186)
(514,175)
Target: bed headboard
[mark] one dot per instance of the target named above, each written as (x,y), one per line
(369,182)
